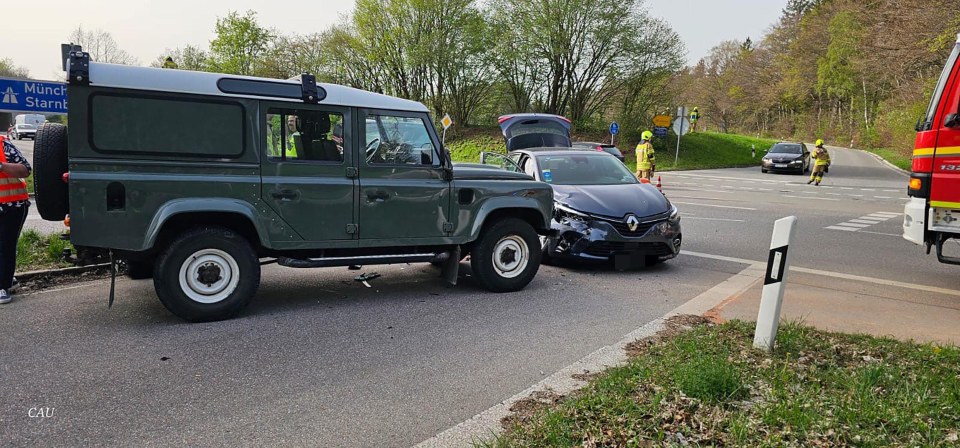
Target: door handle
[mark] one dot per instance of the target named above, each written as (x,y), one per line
(377,195)
(285,195)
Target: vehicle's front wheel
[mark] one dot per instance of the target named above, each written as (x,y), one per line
(507,256)
(762,170)
(207,274)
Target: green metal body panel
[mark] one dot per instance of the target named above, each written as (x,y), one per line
(121,199)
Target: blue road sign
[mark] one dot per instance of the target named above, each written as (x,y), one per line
(660,131)
(614,128)
(23,95)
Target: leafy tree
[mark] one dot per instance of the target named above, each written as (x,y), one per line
(9,69)
(239,45)
(187,58)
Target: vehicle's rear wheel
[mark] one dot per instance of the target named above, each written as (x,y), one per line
(207,274)
(49,164)
(763,170)
(507,256)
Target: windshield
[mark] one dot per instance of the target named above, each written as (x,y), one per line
(583,169)
(938,91)
(28,126)
(787,149)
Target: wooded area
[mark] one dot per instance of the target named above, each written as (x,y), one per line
(850,71)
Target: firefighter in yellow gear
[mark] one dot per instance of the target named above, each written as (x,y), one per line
(694,116)
(821,161)
(168,63)
(646,162)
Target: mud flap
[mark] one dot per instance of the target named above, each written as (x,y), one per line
(113,279)
(451,266)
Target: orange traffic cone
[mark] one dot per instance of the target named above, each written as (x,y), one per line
(658,184)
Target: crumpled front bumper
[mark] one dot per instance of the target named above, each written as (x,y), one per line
(599,241)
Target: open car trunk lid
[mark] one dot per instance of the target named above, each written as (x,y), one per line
(535,131)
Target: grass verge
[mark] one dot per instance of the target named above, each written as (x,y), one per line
(40,251)
(700,150)
(898,159)
(706,150)
(707,386)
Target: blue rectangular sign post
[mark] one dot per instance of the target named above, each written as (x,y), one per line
(659,131)
(24,95)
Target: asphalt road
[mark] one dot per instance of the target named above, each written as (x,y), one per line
(321,360)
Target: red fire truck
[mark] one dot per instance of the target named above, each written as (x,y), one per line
(932,216)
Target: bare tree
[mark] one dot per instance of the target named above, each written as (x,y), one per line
(101,46)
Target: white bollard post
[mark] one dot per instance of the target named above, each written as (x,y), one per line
(778,265)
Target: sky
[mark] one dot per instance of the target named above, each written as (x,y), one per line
(145,28)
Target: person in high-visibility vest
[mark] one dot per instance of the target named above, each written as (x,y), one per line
(694,116)
(14,203)
(822,161)
(168,63)
(646,162)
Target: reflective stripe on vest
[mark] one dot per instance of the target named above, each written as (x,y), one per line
(12,189)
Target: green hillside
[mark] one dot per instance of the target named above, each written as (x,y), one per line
(697,151)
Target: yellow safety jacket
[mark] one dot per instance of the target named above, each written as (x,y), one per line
(645,156)
(275,151)
(821,156)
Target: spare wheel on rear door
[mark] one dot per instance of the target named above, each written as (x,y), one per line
(49,165)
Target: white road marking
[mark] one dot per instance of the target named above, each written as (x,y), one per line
(859,278)
(881,233)
(889,214)
(868,189)
(713,205)
(882,197)
(865,221)
(712,219)
(852,224)
(848,229)
(808,197)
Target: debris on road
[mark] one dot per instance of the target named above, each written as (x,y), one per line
(362,278)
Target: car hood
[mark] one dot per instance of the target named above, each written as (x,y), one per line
(783,156)
(615,201)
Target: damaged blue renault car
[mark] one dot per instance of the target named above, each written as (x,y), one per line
(602,212)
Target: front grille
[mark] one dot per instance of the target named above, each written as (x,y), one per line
(611,248)
(624,229)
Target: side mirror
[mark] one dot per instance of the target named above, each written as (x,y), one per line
(952,121)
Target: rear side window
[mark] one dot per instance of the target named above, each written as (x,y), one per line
(141,125)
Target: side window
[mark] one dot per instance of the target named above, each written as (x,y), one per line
(392,140)
(304,135)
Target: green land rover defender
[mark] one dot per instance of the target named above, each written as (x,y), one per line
(197,179)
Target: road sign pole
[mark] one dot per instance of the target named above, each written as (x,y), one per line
(676,158)
(778,265)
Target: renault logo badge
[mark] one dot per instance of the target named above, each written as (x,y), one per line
(633,223)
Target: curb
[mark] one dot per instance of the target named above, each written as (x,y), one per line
(887,163)
(71,270)
(487,423)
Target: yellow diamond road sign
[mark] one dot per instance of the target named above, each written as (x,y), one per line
(662,121)
(446,121)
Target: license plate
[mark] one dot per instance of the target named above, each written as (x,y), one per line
(780,165)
